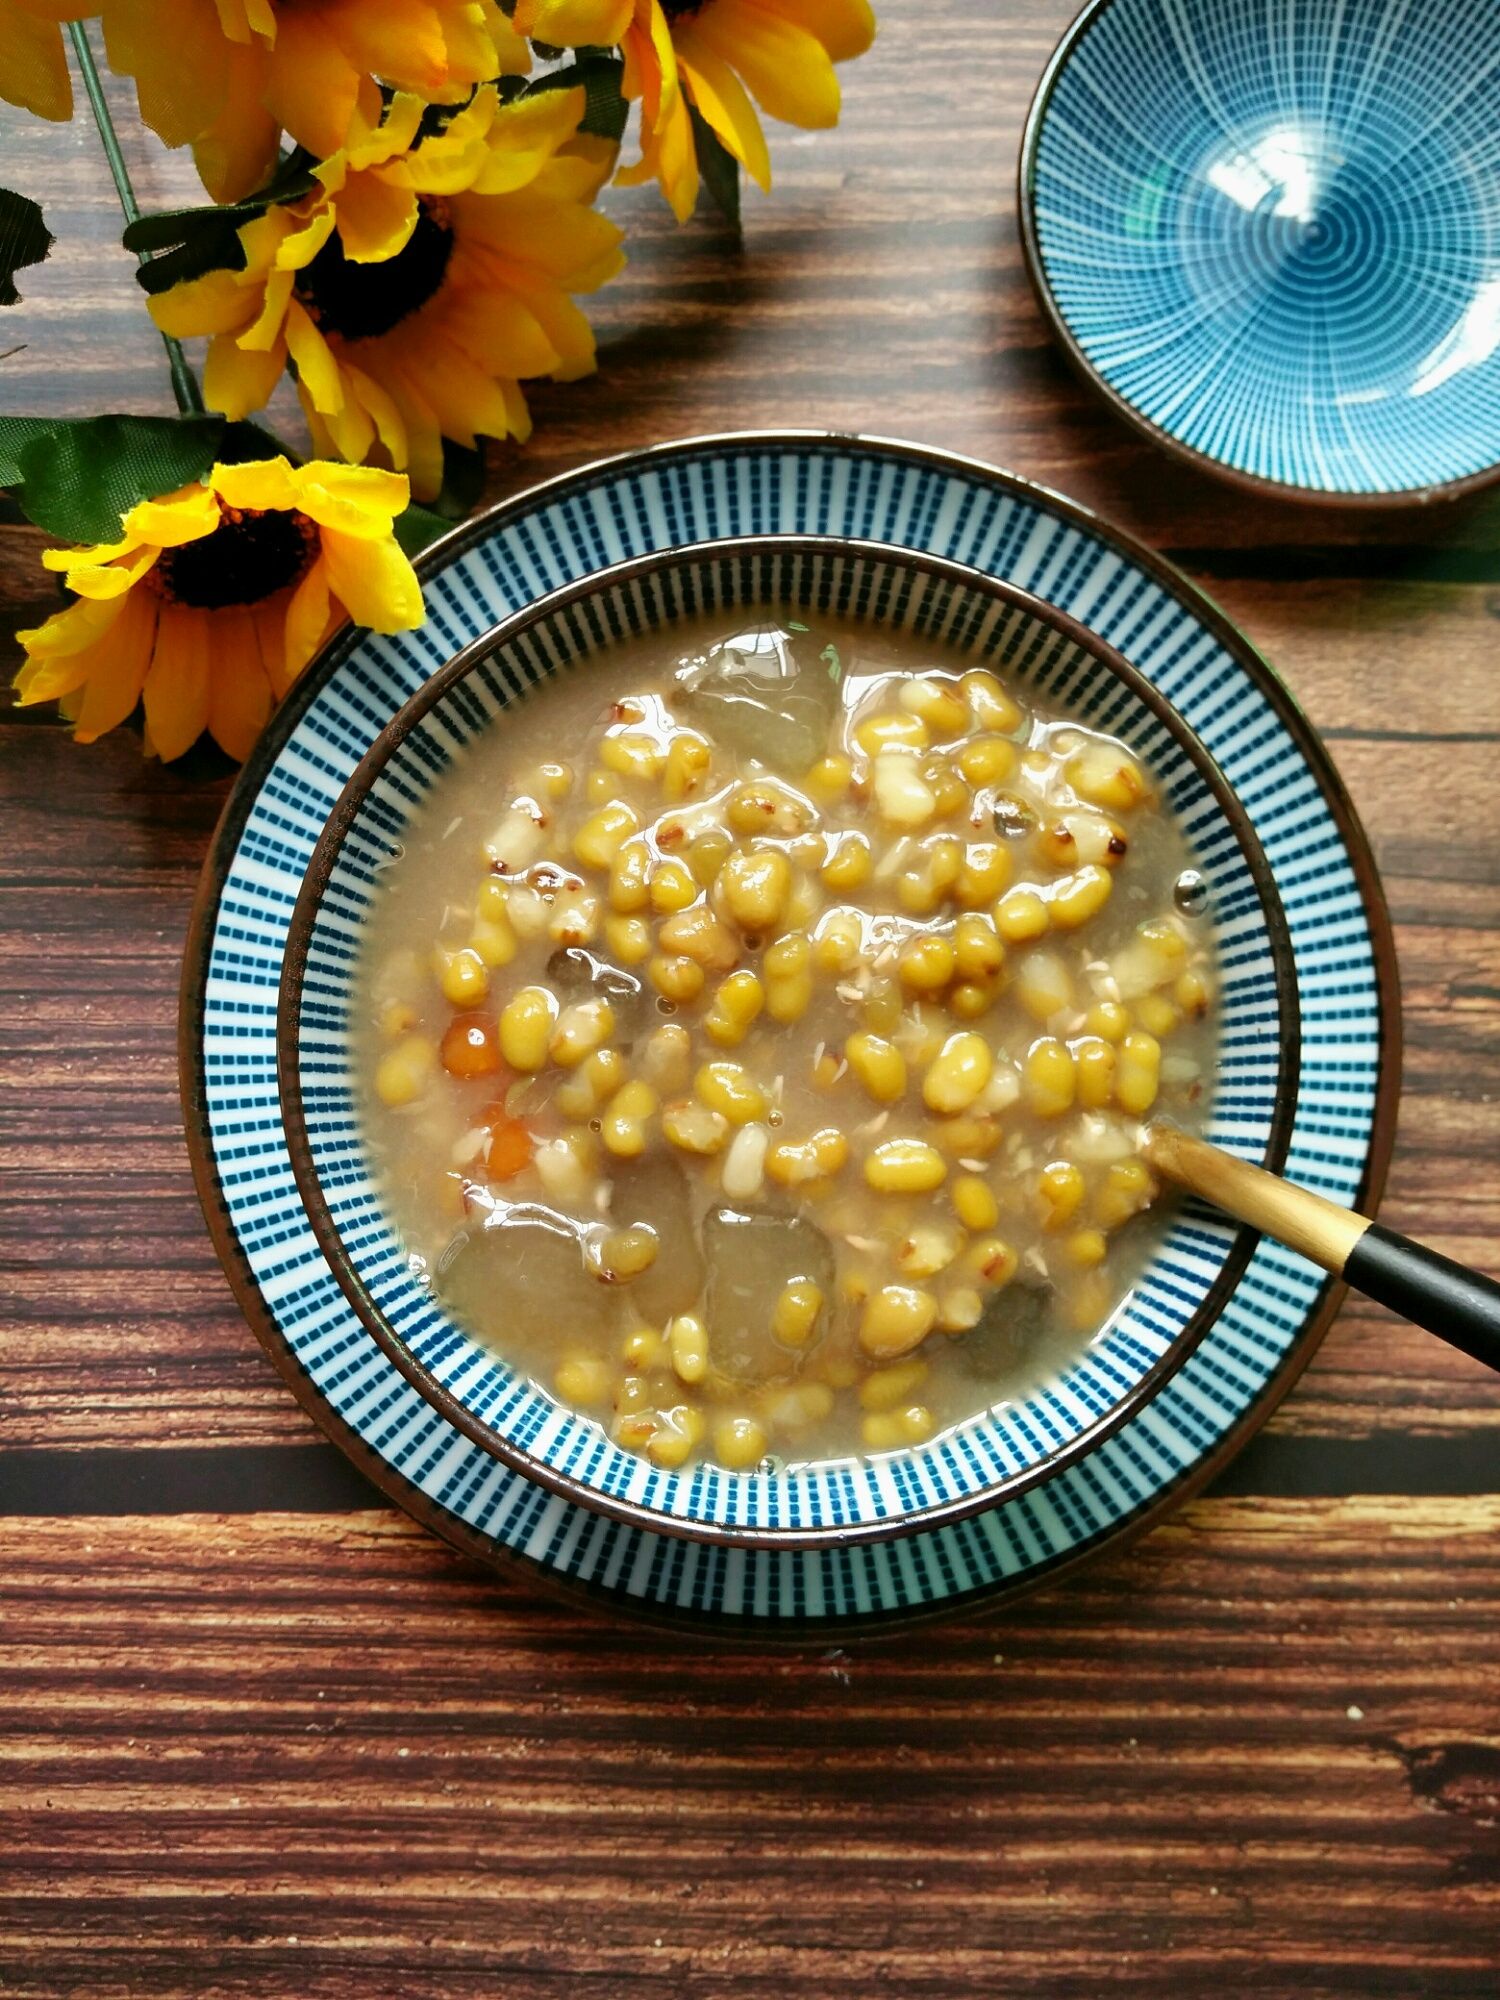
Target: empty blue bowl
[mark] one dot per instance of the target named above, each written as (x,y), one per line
(1270,234)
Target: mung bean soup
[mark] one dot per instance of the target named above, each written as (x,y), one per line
(763,1075)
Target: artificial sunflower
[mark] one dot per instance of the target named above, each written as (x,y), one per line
(215,597)
(228,76)
(714,56)
(33,62)
(417,284)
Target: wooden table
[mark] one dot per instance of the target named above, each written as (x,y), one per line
(263,1735)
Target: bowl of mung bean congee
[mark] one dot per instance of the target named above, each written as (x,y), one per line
(719,1022)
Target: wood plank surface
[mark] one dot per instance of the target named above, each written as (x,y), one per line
(309,1759)
(262,1735)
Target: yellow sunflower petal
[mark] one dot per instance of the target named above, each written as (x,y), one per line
(517,413)
(89,558)
(424,437)
(110,580)
(568,329)
(382,409)
(347,432)
(308,618)
(669,156)
(651,63)
(67,633)
(358,500)
(49,680)
(238,380)
(174,518)
(317,371)
(218,302)
(176,51)
(725,104)
(322,437)
(526,134)
(398,39)
(305,239)
(176,689)
(846,28)
(266,485)
(237,152)
(373,146)
(239,694)
(576,247)
(269,329)
(495,328)
(472,49)
(312,88)
(373,581)
(787,69)
(579,171)
(376,217)
(572,24)
(512,55)
(465,397)
(351,429)
(63,652)
(33,67)
(118,671)
(262,237)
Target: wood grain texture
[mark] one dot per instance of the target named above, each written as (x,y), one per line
(320,1757)
(263,1736)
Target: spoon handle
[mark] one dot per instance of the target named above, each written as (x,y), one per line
(1459,1305)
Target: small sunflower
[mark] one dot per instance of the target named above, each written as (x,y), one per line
(417,284)
(33,62)
(715,56)
(214,599)
(228,76)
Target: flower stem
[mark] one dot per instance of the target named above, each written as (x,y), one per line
(184,382)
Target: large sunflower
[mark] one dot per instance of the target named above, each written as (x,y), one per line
(227,76)
(419,282)
(716,56)
(33,62)
(214,599)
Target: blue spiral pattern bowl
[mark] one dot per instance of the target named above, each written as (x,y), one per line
(1019,1440)
(1270,233)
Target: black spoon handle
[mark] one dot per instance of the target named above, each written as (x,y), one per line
(1459,1305)
(1462,1306)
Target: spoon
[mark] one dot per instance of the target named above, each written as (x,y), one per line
(1459,1305)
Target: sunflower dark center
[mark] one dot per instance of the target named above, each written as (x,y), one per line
(679,10)
(248,557)
(359,301)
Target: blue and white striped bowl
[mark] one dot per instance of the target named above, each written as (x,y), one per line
(564,530)
(1007,1448)
(1270,233)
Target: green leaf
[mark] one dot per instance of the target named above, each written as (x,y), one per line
(183,243)
(830,658)
(78,476)
(24,239)
(719,168)
(207,249)
(243,442)
(605,108)
(417,526)
(15,433)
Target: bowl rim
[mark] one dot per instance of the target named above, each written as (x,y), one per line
(324,859)
(1386,498)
